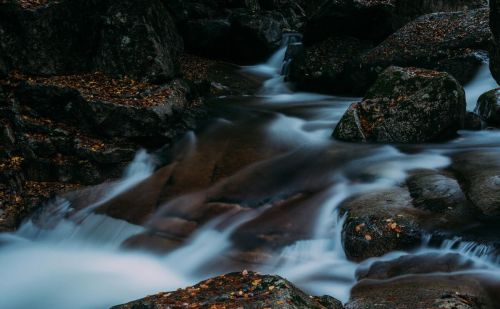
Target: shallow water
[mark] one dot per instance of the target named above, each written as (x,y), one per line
(269,161)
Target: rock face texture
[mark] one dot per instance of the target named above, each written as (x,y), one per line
(434,283)
(495,28)
(237,290)
(133,38)
(81,130)
(488,107)
(406,105)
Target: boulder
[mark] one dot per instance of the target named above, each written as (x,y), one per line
(438,283)
(488,107)
(237,290)
(380,222)
(479,173)
(133,38)
(448,42)
(495,29)
(366,19)
(373,20)
(322,67)
(406,105)
(243,36)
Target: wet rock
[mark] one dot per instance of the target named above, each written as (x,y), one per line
(243,36)
(479,174)
(380,222)
(473,122)
(488,107)
(442,41)
(428,280)
(322,67)
(119,38)
(237,290)
(416,264)
(406,105)
(471,291)
(495,29)
(437,193)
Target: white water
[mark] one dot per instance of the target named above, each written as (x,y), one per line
(81,265)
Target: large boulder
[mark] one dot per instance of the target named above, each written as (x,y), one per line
(495,28)
(133,38)
(448,42)
(243,36)
(237,290)
(451,42)
(322,67)
(373,20)
(488,107)
(406,105)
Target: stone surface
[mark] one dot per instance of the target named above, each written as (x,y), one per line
(133,38)
(488,107)
(237,290)
(495,29)
(406,105)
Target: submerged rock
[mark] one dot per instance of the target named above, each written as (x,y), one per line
(237,290)
(391,284)
(488,107)
(406,105)
(120,38)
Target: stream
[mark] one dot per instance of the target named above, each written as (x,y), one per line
(269,162)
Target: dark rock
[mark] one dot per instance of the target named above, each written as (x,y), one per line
(416,264)
(366,19)
(495,29)
(437,193)
(140,40)
(243,36)
(237,290)
(406,105)
(429,280)
(472,122)
(479,174)
(488,107)
(133,38)
(322,67)
(380,222)
(446,42)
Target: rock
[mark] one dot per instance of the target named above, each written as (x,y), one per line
(373,20)
(131,38)
(437,193)
(473,290)
(237,290)
(322,67)
(479,173)
(446,42)
(495,29)
(367,20)
(473,122)
(243,36)
(406,105)
(488,107)
(416,264)
(380,222)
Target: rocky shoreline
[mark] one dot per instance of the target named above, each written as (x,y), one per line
(79,95)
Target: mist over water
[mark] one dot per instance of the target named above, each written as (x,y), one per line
(282,140)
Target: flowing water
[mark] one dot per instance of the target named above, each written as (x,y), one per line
(272,179)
